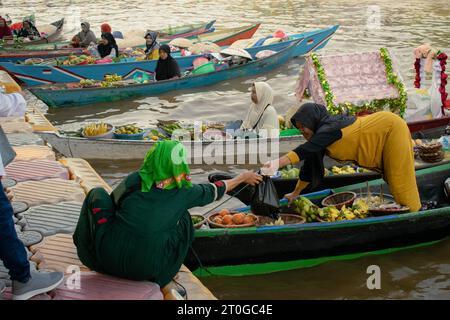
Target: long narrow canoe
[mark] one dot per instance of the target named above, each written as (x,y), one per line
(59,95)
(229,36)
(43,74)
(62,49)
(248,150)
(186,31)
(266,249)
(53,33)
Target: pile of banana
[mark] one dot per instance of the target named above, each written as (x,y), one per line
(112,78)
(95,129)
(88,83)
(313,213)
(278,222)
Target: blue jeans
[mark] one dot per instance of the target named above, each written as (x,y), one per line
(12,251)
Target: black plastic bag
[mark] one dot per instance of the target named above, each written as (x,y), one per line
(265,201)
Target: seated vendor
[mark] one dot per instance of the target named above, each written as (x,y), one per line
(28,31)
(152,45)
(107,48)
(86,36)
(380,141)
(262,116)
(5,30)
(143,230)
(167,67)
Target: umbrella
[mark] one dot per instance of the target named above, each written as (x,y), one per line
(236,52)
(181,43)
(117,35)
(204,47)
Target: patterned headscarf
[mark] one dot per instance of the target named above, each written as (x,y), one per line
(165,167)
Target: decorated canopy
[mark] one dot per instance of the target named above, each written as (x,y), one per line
(353,83)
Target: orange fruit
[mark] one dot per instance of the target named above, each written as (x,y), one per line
(224,212)
(248,220)
(238,218)
(227,219)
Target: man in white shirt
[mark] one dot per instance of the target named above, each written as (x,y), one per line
(25,283)
(12,105)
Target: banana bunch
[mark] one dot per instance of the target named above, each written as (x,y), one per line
(313,213)
(113,78)
(306,209)
(87,82)
(95,129)
(278,222)
(282,122)
(343,170)
(359,210)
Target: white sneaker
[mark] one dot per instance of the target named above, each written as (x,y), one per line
(39,282)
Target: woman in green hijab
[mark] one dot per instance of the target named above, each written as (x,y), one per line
(143,230)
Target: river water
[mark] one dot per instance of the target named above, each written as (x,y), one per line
(364,25)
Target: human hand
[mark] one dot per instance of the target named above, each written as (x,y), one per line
(250,178)
(270,167)
(9,194)
(292,196)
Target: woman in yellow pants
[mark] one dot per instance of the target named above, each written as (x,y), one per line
(380,141)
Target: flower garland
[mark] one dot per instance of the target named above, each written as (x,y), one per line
(443,61)
(329,97)
(442,57)
(417,67)
(398,104)
(395,105)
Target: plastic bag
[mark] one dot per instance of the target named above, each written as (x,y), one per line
(265,201)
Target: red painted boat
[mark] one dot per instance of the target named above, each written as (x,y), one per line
(227,37)
(425,125)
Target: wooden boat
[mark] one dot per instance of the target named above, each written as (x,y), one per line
(59,95)
(63,49)
(84,148)
(53,33)
(186,31)
(225,151)
(228,36)
(266,249)
(48,74)
(13,57)
(285,186)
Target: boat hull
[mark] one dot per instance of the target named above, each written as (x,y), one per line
(63,97)
(223,152)
(16,55)
(269,249)
(40,75)
(54,36)
(129,149)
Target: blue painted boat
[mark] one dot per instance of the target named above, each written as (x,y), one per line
(63,95)
(46,74)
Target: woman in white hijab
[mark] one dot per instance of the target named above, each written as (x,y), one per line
(262,115)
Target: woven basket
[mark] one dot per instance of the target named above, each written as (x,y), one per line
(339,200)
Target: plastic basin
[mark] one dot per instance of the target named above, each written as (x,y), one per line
(205,68)
(135,136)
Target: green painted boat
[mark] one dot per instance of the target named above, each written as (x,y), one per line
(267,249)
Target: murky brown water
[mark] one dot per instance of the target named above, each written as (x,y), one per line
(419,273)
